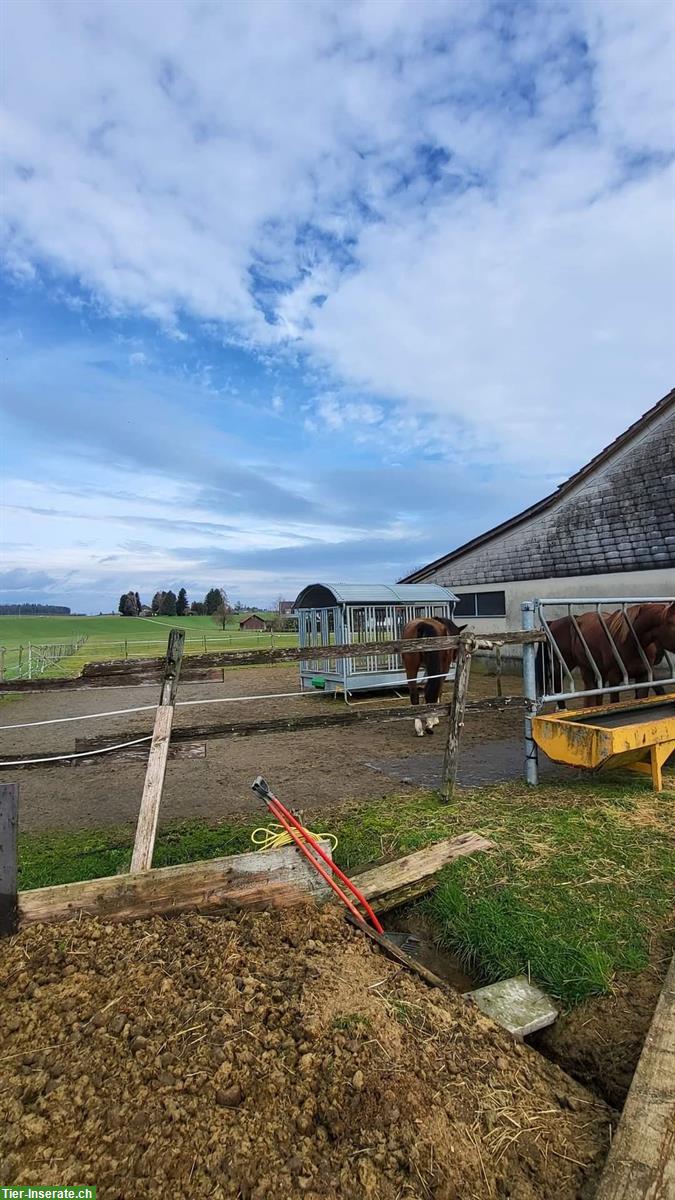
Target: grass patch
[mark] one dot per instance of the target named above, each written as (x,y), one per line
(47,859)
(581,882)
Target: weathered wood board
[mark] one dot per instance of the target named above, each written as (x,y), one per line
(279,876)
(261,879)
(404,879)
(641,1162)
(130,673)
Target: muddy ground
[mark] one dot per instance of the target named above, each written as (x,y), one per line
(318,769)
(278,1055)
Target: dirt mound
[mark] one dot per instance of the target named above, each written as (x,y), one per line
(273,1056)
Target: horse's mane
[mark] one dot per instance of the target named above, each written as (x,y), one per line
(619,623)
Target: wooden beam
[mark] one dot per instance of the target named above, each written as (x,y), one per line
(9,830)
(183,750)
(127,679)
(641,1161)
(269,879)
(280,876)
(146,670)
(260,728)
(457,712)
(141,859)
(395,883)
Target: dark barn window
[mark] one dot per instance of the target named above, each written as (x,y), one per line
(481,604)
(466,605)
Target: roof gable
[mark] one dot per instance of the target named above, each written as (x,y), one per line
(627,523)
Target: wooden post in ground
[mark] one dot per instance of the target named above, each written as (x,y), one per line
(2,662)
(459,695)
(9,828)
(146,829)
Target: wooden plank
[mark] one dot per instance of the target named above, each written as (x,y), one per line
(9,830)
(641,1161)
(182,750)
(283,654)
(457,712)
(148,816)
(397,882)
(127,679)
(144,844)
(147,670)
(261,879)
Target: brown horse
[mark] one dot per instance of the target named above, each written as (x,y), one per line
(653,628)
(436,663)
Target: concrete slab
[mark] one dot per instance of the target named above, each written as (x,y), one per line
(516,1004)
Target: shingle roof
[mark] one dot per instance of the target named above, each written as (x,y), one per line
(627,523)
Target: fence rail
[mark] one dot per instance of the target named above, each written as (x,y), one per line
(33,658)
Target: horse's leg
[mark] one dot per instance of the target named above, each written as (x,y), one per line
(411,663)
(434,687)
(589,682)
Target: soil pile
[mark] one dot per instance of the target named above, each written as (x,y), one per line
(278,1055)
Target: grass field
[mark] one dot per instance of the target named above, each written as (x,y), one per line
(120,637)
(581,884)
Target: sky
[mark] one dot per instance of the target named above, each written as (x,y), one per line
(297,292)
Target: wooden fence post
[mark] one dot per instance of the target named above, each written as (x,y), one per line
(498,669)
(146,829)
(9,828)
(459,695)
(2,662)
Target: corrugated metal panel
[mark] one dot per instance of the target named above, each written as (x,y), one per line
(374,593)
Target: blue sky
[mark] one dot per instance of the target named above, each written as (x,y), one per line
(299,291)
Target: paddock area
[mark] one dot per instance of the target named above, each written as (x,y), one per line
(317,769)
(549,900)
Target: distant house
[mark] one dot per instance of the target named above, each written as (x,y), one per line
(145,611)
(252,622)
(286,608)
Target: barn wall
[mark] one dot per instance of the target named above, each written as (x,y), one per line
(616,585)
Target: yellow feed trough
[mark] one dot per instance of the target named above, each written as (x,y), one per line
(637,736)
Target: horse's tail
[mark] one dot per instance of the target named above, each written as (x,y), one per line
(432,664)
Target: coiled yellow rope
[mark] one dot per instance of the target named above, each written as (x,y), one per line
(274,836)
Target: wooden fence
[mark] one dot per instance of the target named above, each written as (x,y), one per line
(167,672)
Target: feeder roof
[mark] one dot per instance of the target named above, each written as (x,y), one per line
(330,595)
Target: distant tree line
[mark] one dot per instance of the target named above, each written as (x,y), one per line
(167,604)
(34,610)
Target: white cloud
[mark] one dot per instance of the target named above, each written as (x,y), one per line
(455,218)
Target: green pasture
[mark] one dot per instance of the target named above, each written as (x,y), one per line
(580,886)
(114,637)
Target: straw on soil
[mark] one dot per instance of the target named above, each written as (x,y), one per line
(271,1056)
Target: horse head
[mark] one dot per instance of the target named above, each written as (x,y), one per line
(450,625)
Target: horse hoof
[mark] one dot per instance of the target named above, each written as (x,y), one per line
(418,727)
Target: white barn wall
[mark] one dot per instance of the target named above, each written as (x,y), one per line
(635,583)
